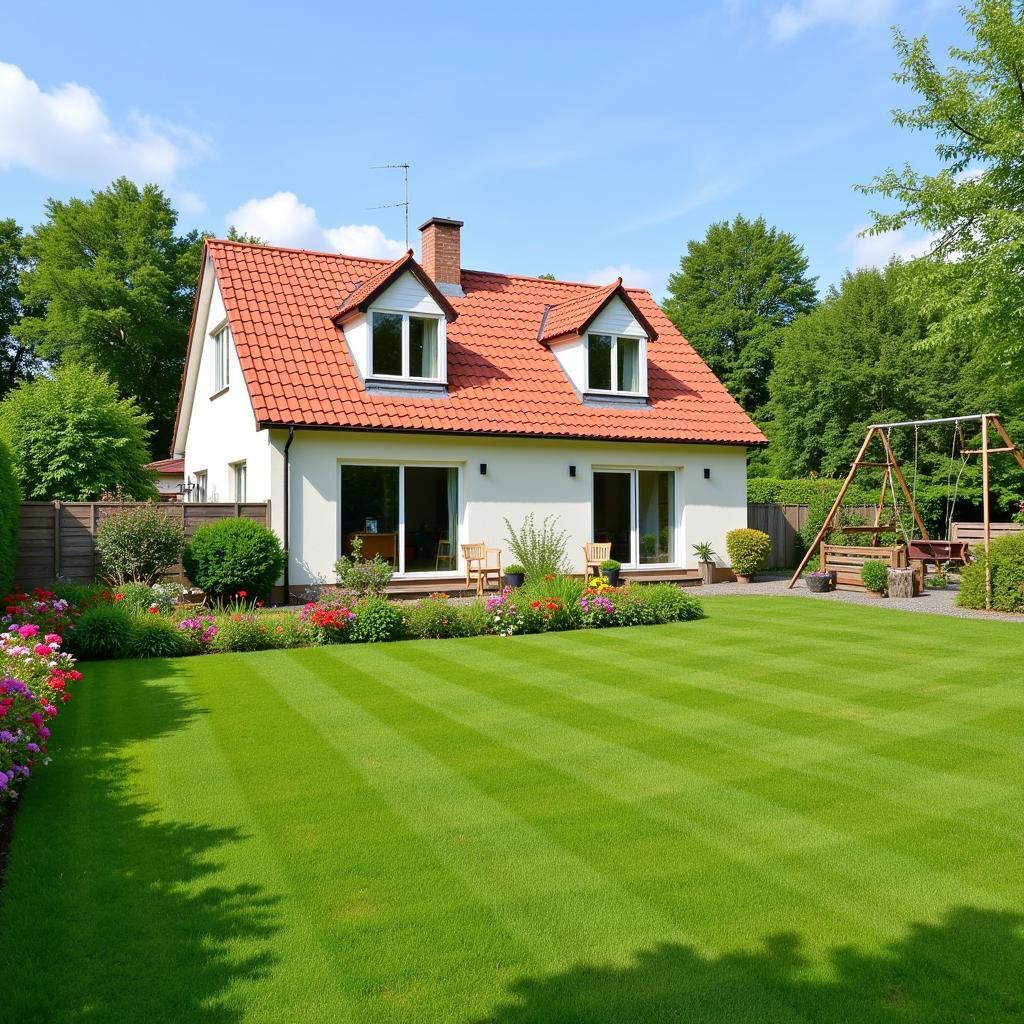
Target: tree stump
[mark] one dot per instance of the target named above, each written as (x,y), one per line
(901,583)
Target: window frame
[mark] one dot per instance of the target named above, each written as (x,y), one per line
(633,472)
(236,469)
(641,370)
(220,359)
(441,375)
(202,483)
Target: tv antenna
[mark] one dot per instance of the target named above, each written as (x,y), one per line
(404,168)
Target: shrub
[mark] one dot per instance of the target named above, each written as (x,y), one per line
(515,569)
(138,543)
(475,619)
(103,631)
(10,502)
(232,555)
(329,620)
(669,603)
(1007,558)
(541,552)
(874,575)
(153,636)
(631,608)
(241,633)
(611,564)
(748,550)
(435,618)
(197,632)
(363,577)
(377,621)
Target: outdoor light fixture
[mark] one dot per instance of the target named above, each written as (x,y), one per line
(483,469)
(707,472)
(572,471)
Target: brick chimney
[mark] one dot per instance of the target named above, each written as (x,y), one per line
(440,253)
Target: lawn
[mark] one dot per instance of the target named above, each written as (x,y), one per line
(789,812)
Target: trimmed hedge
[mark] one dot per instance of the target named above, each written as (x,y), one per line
(1007,556)
(232,557)
(773,490)
(748,550)
(10,507)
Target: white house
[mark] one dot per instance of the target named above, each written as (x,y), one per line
(418,405)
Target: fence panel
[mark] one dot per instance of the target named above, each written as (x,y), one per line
(783,524)
(58,539)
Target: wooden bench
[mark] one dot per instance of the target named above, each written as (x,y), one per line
(974,533)
(846,561)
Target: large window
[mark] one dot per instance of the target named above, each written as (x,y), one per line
(635,510)
(221,359)
(238,480)
(613,363)
(404,345)
(408,515)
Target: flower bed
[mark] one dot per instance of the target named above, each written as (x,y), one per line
(35,676)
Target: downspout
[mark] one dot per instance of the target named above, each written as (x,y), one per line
(287,509)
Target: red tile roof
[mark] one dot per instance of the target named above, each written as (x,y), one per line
(360,298)
(575,315)
(167,467)
(501,379)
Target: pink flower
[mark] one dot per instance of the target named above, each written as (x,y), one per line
(52,638)
(27,630)
(50,709)
(42,650)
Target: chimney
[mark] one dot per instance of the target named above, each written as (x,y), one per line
(440,253)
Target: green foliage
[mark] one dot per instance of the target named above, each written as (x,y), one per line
(732,294)
(515,569)
(541,551)
(874,575)
(102,631)
(565,589)
(669,603)
(971,284)
(18,361)
(73,439)
(611,564)
(232,555)
(748,550)
(363,577)
(1007,559)
(110,284)
(377,621)
(138,543)
(241,633)
(704,551)
(437,617)
(153,636)
(10,502)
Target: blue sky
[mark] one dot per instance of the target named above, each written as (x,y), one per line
(581,144)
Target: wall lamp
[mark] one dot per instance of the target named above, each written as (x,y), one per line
(707,472)
(483,469)
(572,471)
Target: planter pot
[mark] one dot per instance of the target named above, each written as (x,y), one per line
(707,572)
(740,578)
(612,576)
(875,593)
(514,579)
(819,584)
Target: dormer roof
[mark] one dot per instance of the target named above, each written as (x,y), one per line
(575,315)
(362,296)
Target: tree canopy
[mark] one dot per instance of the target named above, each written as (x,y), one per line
(971,285)
(110,285)
(733,292)
(71,438)
(17,360)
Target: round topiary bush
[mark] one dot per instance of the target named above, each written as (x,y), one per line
(233,555)
(874,574)
(1007,555)
(748,550)
(103,631)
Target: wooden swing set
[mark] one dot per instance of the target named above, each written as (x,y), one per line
(920,549)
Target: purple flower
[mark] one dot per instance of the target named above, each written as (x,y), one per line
(32,747)
(6,736)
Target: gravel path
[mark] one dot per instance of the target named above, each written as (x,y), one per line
(931,602)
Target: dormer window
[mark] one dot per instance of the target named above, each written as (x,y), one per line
(614,364)
(405,346)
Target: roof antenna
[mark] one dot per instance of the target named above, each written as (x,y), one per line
(405,202)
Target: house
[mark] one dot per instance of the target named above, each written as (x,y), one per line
(169,477)
(417,405)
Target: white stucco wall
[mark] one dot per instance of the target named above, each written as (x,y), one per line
(522,476)
(221,428)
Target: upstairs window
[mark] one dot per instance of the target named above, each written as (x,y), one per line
(404,345)
(221,359)
(613,364)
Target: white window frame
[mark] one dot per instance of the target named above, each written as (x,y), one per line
(202,484)
(220,359)
(400,571)
(634,513)
(442,345)
(236,469)
(641,368)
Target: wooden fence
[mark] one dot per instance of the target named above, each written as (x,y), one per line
(58,539)
(783,524)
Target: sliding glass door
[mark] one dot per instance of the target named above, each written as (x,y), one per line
(635,510)
(408,515)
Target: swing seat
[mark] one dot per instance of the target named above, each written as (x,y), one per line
(938,551)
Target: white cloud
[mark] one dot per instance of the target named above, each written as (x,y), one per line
(66,132)
(792,19)
(283,220)
(878,250)
(632,277)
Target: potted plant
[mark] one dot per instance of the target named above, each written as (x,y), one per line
(610,571)
(875,577)
(705,561)
(748,551)
(515,575)
(819,582)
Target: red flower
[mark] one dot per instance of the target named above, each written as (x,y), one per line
(243,593)
(535,605)
(119,597)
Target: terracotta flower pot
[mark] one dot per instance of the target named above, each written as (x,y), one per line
(875,593)
(743,579)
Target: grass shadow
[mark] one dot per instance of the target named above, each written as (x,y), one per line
(966,968)
(116,913)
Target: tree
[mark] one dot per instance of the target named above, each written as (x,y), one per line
(972,281)
(17,360)
(72,438)
(110,285)
(732,294)
(234,235)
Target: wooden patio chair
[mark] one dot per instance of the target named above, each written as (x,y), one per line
(445,556)
(482,563)
(593,556)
